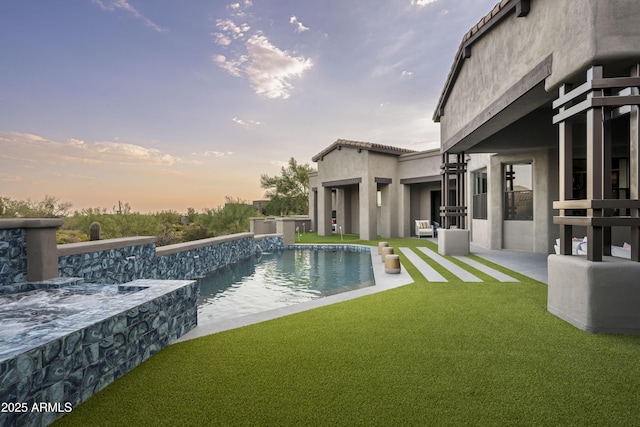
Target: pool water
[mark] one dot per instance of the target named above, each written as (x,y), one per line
(279,279)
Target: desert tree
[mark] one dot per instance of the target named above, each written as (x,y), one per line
(288,193)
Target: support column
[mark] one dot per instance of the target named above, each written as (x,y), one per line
(453,207)
(453,241)
(368,209)
(634,167)
(42,249)
(388,211)
(404,214)
(595,169)
(341,214)
(313,208)
(324,211)
(566,174)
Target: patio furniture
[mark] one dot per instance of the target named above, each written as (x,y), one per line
(386,251)
(424,227)
(392,264)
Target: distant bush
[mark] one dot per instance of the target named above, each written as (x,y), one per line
(49,207)
(168,226)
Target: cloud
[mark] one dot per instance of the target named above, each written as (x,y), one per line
(131,153)
(10,178)
(422,3)
(26,147)
(217,154)
(246,123)
(230,29)
(238,9)
(299,28)
(269,69)
(233,67)
(221,39)
(115,5)
(406,73)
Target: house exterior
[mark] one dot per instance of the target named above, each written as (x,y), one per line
(540,135)
(547,93)
(372,189)
(500,100)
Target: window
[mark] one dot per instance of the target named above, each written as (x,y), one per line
(480,194)
(518,192)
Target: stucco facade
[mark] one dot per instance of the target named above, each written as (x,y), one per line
(497,107)
(540,144)
(548,90)
(372,190)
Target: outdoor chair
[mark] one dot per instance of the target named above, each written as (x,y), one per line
(424,227)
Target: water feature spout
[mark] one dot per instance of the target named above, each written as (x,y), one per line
(340,228)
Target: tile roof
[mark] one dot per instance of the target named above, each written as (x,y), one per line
(369,146)
(498,13)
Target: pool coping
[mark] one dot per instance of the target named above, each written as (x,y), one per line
(383,282)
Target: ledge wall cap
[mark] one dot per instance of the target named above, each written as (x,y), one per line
(12,223)
(103,245)
(195,244)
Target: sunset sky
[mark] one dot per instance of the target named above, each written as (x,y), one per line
(170,104)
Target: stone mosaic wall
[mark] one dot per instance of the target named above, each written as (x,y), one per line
(75,357)
(111,266)
(70,359)
(269,243)
(13,256)
(195,262)
(122,265)
(137,262)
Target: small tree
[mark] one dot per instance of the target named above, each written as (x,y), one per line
(288,193)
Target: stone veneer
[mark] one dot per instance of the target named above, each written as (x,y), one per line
(109,261)
(124,260)
(13,256)
(68,360)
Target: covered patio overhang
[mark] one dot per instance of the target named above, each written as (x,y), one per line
(525,108)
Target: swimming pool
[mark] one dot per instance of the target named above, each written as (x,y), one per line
(281,278)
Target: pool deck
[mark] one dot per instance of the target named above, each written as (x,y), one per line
(528,264)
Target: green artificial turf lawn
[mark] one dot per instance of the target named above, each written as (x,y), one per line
(424,354)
